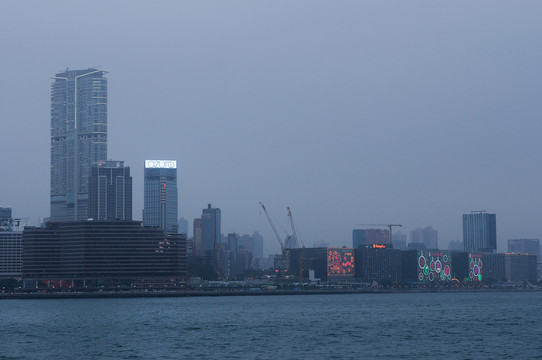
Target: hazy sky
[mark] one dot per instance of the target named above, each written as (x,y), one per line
(409,112)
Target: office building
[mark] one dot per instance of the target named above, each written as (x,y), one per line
(78,139)
(198,247)
(11,253)
(428,236)
(210,223)
(363,237)
(84,252)
(479,232)
(160,206)
(524,246)
(110,191)
(378,264)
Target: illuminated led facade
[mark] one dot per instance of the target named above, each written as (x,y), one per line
(160,206)
(476,267)
(434,265)
(78,139)
(340,262)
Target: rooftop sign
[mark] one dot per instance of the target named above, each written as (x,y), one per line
(160,164)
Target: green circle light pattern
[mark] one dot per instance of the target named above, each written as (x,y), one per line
(434,265)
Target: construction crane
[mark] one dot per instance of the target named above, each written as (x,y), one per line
(388,225)
(297,242)
(282,248)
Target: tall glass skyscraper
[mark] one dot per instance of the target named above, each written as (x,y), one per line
(78,139)
(479,232)
(160,206)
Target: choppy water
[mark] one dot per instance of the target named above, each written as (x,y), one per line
(406,326)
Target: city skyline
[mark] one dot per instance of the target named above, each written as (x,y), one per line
(348,113)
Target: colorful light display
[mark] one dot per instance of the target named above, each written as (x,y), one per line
(340,262)
(434,265)
(475,267)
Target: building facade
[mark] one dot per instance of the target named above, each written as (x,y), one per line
(88,251)
(479,232)
(524,246)
(110,191)
(160,206)
(11,254)
(78,139)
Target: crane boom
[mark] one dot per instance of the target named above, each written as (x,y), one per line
(300,275)
(282,248)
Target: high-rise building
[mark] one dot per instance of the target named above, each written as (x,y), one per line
(78,139)
(479,232)
(183,226)
(428,236)
(160,207)
(11,245)
(110,191)
(198,248)
(210,221)
(5,218)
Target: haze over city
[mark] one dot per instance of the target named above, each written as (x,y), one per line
(347,112)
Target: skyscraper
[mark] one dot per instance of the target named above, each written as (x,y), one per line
(160,206)
(110,191)
(479,232)
(210,219)
(78,139)
(428,236)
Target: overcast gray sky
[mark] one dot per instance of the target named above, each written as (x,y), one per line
(409,112)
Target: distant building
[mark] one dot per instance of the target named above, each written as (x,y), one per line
(253,243)
(416,246)
(428,236)
(198,247)
(399,240)
(183,226)
(211,224)
(78,139)
(524,246)
(161,196)
(84,252)
(5,219)
(110,191)
(456,245)
(479,232)
(362,237)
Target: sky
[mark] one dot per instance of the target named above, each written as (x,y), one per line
(348,112)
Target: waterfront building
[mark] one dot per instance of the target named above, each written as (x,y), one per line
(428,236)
(160,206)
(313,259)
(409,263)
(78,139)
(479,232)
(378,264)
(110,191)
(520,267)
(494,268)
(101,251)
(362,237)
(11,253)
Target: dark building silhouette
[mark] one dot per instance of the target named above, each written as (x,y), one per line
(110,191)
(378,264)
(87,251)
